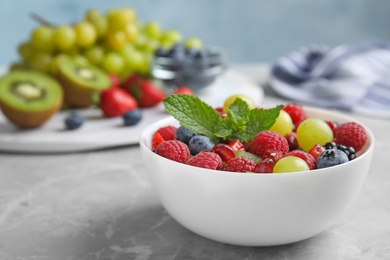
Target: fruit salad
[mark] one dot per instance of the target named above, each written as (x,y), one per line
(239,137)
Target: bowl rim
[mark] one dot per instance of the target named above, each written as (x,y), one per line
(169,120)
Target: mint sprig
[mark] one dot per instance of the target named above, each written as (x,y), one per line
(242,123)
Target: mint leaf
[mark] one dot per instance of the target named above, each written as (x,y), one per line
(242,123)
(259,120)
(236,121)
(192,113)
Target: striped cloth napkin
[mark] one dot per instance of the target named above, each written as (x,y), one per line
(353,78)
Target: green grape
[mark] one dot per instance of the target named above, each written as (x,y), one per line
(86,34)
(152,30)
(283,124)
(56,60)
(194,43)
(313,131)
(92,14)
(118,19)
(64,37)
(290,164)
(134,61)
(116,40)
(171,36)
(148,45)
(42,38)
(113,63)
(94,54)
(131,31)
(18,66)
(40,61)
(25,50)
(81,60)
(232,98)
(98,21)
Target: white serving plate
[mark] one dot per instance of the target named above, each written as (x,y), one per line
(99,133)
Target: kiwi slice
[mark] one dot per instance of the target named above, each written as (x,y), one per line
(28,98)
(80,82)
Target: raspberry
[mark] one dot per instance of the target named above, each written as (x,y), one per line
(174,150)
(167,132)
(307,157)
(333,125)
(239,164)
(156,140)
(268,140)
(208,160)
(351,134)
(296,112)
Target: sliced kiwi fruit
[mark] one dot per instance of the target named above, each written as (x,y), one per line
(81,82)
(28,99)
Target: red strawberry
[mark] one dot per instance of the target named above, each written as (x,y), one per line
(115,102)
(156,140)
(174,150)
(351,134)
(183,90)
(145,92)
(208,160)
(307,157)
(115,80)
(268,140)
(239,164)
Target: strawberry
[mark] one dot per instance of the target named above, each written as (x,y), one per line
(145,91)
(115,102)
(115,80)
(183,90)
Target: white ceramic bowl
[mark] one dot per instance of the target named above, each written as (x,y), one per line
(256,209)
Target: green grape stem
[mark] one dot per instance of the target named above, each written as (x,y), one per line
(40,20)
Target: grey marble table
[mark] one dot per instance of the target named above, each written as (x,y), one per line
(100,205)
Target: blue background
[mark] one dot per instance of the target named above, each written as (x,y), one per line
(250,30)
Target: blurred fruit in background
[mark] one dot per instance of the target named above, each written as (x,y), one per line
(116,42)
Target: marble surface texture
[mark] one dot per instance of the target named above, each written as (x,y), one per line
(99,205)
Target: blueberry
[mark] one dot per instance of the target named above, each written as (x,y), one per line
(199,143)
(74,121)
(132,117)
(161,52)
(184,134)
(331,157)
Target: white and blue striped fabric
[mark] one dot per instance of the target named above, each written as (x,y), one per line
(352,78)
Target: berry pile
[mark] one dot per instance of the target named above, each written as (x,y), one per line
(313,144)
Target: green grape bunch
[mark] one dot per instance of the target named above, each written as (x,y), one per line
(115,41)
